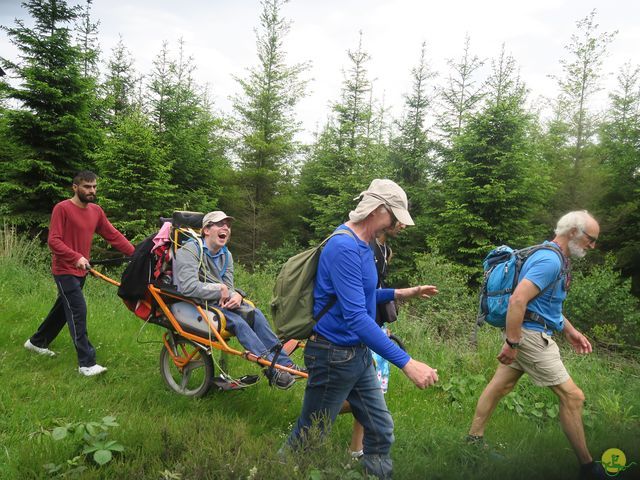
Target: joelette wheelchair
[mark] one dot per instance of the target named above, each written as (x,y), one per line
(193,332)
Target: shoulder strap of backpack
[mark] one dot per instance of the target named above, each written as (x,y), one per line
(325,309)
(334,299)
(527,252)
(337,232)
(202,266)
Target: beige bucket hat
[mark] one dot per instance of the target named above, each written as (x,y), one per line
(382,192)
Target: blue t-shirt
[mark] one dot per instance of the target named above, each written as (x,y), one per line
(346,270)
(543,268)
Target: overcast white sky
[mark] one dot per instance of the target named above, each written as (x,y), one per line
(219,35)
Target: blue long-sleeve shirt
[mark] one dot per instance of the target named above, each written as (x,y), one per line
(346,270)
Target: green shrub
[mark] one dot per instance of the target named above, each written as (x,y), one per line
(92,436)
(601,303)
(451,312)
(271,260)
(257,285)
(21,248)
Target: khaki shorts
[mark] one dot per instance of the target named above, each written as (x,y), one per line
(539,356)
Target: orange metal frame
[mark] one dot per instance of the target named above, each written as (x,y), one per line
(179,361)
(217,341)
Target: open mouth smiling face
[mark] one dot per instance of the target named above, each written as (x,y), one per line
(220,235)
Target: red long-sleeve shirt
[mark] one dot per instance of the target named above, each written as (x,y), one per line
(71,234)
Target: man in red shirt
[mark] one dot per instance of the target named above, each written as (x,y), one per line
(73,223)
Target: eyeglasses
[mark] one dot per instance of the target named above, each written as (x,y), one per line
(591,238)
(219,224)
(394,219)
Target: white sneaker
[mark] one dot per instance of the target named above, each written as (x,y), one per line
(39,350)
(91,371)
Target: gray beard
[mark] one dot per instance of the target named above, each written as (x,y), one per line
(575,250)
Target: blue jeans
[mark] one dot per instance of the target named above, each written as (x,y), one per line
(70,309)
(258,340)
(337,374)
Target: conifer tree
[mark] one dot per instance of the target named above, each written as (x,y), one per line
(118,89)
(160,88)
(52,122)
(411,156)
(267,149)
(620,153)
(135,183)
(87,41)
(459,101)
(461,96)
(494,183)
(187,131)
(346,157)
(504,81)
(582,71)
(410,149)
(353,113)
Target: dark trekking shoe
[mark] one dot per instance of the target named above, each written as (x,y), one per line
(592,471)
(478,442)
(279,378)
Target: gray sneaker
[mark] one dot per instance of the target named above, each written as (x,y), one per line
(281,379)
(39,350)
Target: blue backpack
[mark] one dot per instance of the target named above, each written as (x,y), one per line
(501,271)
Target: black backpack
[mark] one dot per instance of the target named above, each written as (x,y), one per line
(137,275)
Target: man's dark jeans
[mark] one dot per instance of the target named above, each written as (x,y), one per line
(70,308)
(337,374)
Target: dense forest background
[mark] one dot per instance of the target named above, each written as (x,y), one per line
(481,165)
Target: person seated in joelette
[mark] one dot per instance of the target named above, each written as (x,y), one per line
(207,274)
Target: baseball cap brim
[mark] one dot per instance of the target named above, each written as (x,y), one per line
(402,215)
(213,217)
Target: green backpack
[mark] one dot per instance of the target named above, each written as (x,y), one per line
(292,303)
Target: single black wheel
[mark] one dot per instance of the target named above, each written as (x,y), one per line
(187,369)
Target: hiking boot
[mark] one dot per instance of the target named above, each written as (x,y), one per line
(592,471)
(91,371)
(281,379)
(39,350)
(478,441)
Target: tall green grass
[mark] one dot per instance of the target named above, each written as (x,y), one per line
(237,434)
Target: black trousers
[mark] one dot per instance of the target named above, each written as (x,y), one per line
(70,308)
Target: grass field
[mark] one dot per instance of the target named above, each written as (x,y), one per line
(237,434)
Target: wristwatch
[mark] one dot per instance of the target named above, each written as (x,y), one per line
(512,344)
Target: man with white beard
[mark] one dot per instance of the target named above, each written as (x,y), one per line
(532,318)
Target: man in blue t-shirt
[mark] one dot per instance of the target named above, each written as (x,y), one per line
(534,315)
